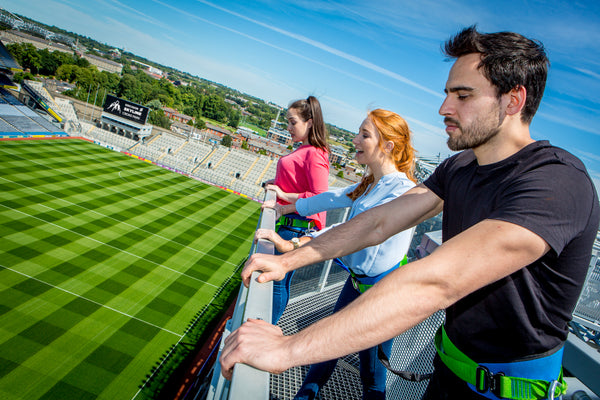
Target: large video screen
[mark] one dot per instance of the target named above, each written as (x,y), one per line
(126,109)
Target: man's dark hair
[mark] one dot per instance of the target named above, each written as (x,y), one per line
(508,60)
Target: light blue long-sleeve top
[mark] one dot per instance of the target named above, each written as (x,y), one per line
(374,260)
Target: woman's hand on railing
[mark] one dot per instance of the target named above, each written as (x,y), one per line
(279,209)
(280,193)
(268,204)
(282,245)
(256,343)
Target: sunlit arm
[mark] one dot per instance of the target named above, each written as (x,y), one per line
(366,229)
(398,302)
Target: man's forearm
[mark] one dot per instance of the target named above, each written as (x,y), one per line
(336,242)
(367,229)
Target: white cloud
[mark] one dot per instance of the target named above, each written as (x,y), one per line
(330,50)
(576,123)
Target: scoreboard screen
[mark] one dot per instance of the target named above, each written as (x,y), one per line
(126,109)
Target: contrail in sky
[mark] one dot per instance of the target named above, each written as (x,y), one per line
(329,49)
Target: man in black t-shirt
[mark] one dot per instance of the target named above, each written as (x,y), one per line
(520,218)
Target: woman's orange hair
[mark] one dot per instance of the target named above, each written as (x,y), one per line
(391,127)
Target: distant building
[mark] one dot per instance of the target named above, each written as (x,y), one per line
(215,134)
(246,132)
(176,115)
(150,70)
(104,64)
(279,136)
(13,36)
(338,155)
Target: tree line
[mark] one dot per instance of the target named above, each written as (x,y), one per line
(200,99)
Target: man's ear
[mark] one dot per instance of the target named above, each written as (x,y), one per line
(516,100)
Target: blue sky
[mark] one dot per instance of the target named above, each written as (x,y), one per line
(353,55)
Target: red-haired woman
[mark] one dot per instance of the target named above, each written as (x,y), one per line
(384,144)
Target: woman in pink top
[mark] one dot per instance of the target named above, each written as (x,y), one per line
(303,173)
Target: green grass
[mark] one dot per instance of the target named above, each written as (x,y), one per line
(104,260)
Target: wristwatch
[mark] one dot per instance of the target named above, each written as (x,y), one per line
(296,242)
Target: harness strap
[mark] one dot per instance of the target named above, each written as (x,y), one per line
(361,287)
(507,387)
(406,375)
(295,221)
(357,279)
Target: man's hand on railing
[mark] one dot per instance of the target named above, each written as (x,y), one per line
(256,343)
(269,265)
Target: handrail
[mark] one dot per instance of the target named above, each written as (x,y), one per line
(255,302)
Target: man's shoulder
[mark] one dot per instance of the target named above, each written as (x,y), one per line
(543,153)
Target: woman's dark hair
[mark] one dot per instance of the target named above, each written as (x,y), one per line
(390,127)
(508,60)
(310,108)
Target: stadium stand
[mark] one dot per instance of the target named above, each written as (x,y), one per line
(16,119)
(38,93)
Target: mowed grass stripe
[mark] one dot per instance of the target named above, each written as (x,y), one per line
(100,221)
(194,202)
(138,190)
(51,286)
(123,281)
(99,253)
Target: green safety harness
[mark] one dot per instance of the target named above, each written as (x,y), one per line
(356,278)
(507,387)
(293,223)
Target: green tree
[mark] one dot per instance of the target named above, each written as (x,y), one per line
(245,145)
(234,118)
(226,141)
(20,76)
(130,88)
(66,72)
(200,123)
(340,174)
(154,104)
(158,118)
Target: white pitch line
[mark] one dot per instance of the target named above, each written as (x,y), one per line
(115,219)
(116,248)
(132,197)
(92,301)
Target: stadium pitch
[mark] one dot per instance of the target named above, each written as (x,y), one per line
(104,260)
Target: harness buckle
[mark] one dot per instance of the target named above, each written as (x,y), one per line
(355,283)
(552,389)
(495,383)
(482,379)
(486,381)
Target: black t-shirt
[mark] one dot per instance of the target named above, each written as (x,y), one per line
(547,191)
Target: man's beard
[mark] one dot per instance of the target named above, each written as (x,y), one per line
(478,133)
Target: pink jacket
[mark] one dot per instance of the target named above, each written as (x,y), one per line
(304,171)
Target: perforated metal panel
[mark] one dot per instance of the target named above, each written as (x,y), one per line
(588,306)
(413,351)
(345,381)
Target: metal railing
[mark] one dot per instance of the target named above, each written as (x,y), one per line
(412,350)
(256,302)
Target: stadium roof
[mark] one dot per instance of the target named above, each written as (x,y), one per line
(7,62)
